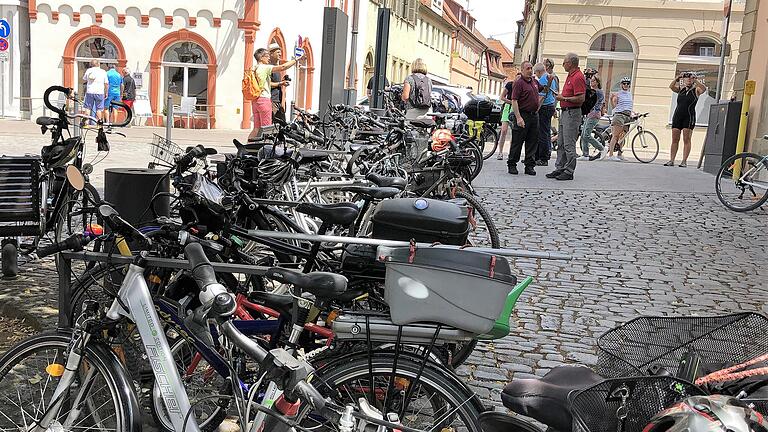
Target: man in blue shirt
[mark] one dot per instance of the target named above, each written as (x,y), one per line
(546,111)
(115,90)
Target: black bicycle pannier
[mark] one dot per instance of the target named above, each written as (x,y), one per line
(421,219)
(478,109)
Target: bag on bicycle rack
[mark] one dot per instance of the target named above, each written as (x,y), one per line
(460,288)
(421,219)
(478,109)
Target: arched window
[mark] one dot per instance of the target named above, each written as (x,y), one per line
(186,73)
(305,78)
(700,55)
(95,48)
(368,69)
(613,55)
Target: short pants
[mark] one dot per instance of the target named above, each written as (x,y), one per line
(621,119)
(94,102)
(505,112)
(262,112)
(112,97)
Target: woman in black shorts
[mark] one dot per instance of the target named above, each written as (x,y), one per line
(684,119)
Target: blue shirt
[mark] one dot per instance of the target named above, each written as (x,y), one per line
(597,110)
(549,99)
(115,79)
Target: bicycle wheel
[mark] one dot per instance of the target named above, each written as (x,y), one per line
(477,161)
(101,391)
(428,399)
(645,146)
(750,190)
(200,380)
(483,230)
(489,140)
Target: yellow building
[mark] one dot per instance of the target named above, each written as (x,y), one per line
(434,40)
(650,41)
(753,65)
(402,38)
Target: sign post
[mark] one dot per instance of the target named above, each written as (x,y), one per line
(5,45)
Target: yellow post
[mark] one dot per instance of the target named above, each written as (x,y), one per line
(749,90)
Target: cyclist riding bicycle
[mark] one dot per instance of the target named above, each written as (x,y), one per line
(622,116)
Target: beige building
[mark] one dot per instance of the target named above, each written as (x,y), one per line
(403,35)
(753,65)
(648,40)
(434,40)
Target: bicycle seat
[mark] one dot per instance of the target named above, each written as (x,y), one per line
(376,193)
(47,121)
(343,214)
(355,146)
(546,399)
(307,156)
(323,285)
(384,181)
(371,132)
(424,123)
(438,115)
(274,301)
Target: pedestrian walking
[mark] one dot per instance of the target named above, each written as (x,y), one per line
(277,84)
(129,89)
(506,97)
(369,87)
(570,98)
(95,89)
(115,91)
(590,121)
(544,151)
(546,112)
(262,105)
(417,91)
(622,115)
(688,89)
(525,127)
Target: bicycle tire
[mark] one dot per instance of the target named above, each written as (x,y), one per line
(493,232)
(98,358)
(653,147)
(446,391)
(489,137)
(726,173)
(477,165)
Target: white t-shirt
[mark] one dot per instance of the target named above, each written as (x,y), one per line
(97,78)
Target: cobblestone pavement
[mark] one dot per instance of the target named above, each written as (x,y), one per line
(674,251)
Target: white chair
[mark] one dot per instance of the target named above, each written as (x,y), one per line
(188,109)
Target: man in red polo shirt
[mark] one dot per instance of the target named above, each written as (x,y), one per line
(571,98)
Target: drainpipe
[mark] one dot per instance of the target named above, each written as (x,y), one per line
(352,72)
(538,32)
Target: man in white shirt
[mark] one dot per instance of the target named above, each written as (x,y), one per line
(96,88)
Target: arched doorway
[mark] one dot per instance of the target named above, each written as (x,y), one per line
(368,69)
(85,45)
(613,55)
(183,64)
(304,81)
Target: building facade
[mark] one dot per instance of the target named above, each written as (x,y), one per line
(14,59)
(467,49)
(507,57)
(650,41)
(403,37)
(178,49)
(434,40)
(753,65)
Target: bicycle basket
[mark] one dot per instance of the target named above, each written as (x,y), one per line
(645,344)
(637,399)
(163,151)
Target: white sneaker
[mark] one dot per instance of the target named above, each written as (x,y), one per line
(582,158)
(500,156)
(614,159)
(604,156)
(621,157)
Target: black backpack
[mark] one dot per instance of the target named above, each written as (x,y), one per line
(590,99)
(421,94)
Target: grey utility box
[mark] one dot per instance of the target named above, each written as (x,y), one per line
(722,132)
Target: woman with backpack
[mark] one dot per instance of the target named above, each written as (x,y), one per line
(256,87)
(590,121)
(417,91)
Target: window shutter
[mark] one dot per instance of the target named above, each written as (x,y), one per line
(413,10)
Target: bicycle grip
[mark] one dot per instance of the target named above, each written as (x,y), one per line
(47,98)
(202,270)
(75,243)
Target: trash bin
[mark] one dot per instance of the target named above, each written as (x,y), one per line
(130,191)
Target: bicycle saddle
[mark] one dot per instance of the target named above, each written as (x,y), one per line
(47,121)
(321,284)
(343,214)
(372,192)
(423,123)
(307,156)
(384,181)
(546,399)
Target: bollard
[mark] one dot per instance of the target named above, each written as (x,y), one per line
(168,118)
(749,90)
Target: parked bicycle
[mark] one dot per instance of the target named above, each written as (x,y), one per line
(644,144)
(742,181)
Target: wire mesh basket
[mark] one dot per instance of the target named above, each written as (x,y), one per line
(626,404)
(162,151)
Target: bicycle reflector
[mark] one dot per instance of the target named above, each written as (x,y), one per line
(441,139)
(55,370)
(94,230)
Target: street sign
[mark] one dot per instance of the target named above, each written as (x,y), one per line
(4,56)
(298,52)
(3,44)
(5,28)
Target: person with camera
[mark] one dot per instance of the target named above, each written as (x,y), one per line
(277,84)
(262,104)
(688,89)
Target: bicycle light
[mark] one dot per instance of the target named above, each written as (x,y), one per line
(421,204)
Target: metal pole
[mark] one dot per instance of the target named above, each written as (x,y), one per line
(352,73)
(168,117)
(380,61)
(76,110)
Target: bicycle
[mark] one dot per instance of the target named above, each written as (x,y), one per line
(743,176)
(644,144)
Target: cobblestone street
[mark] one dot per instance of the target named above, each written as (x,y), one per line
(674,251)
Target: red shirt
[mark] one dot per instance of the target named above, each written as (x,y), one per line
(526,93)
(575,84)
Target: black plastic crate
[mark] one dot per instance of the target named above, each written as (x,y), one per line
(20,206)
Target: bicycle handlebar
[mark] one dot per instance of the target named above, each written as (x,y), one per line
(47,101)
(76,242)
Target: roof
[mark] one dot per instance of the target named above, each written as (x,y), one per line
(507,56)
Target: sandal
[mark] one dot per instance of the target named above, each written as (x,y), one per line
(670,163)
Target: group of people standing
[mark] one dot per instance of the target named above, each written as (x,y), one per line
(530,101)
(103,87)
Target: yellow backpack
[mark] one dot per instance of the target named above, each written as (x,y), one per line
(251,86)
